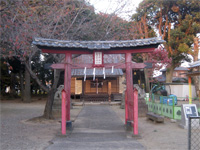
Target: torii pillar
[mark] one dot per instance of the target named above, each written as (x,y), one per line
(66,93)
(131,101)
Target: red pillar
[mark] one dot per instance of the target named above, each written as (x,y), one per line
(135,112)
(63,126)
(126,108)
(67,83)
(129,82)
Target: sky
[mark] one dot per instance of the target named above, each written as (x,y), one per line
(115,6)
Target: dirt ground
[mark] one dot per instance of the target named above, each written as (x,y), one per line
(18,132)
(158,136)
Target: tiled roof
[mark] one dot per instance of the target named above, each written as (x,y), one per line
(162,78)
(176,69)
(92,45)
(195,64)
(98,72)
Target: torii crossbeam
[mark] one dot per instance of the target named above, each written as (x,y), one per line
(98,49)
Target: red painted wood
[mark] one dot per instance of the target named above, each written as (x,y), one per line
(124,51)
(135,112)
(107,65)
(111,51)
(67,83)
(57,51)
(131,107)
(58,66)
(126,108)
(129,81)
(138,65)
(63,126)
(81,66)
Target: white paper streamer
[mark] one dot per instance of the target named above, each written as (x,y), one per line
(93,74)
(104,73)
(85,73)
(112,69)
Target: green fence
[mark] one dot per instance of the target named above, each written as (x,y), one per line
(165,110)
(168,109)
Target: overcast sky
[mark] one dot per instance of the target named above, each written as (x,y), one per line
(110,6)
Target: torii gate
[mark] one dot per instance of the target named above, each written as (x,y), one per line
(98,49)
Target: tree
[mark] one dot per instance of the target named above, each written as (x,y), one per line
(158,58)
(177,22)
(195,53)
(60,19)
(144,30)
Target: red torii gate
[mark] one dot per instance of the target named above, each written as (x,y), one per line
(98,49)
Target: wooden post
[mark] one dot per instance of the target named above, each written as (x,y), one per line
(109,90)
(97,92)
(190,89)
(135,112)
(126,108)
(67,83)
(129,80)
(63,126)
(83,89)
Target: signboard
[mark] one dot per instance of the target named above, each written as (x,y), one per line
(98,59)
(186,111)
(190,111)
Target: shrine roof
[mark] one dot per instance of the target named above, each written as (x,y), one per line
(94,45)
(98,72)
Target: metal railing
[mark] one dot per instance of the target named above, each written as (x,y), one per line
(194,133)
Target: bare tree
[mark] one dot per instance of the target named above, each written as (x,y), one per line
(21,21)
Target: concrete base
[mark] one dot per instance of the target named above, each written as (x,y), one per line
(69,125)
(128,126)
(183,126)
(136,136)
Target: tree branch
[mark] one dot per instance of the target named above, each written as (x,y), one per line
(35,77)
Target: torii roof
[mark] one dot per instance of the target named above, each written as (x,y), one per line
(97,45)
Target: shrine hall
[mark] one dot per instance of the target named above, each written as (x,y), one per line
(98,52)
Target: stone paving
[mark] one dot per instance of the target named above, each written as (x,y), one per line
(96,128)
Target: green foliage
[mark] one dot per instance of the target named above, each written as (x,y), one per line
(184,17)
(183,48)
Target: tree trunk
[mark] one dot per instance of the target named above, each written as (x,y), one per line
(21,84)
(12,85)
(27,90)
(49,104)
(196,84)
(146,76)
(33,75)
(169,74)
(195,57)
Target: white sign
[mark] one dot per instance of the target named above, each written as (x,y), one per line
(98,58)
(186,111)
